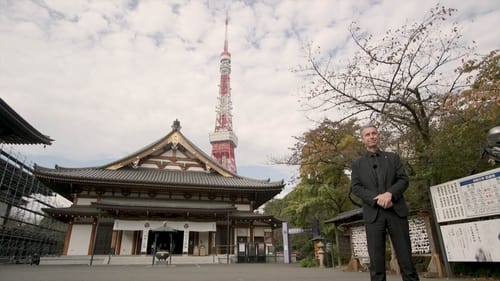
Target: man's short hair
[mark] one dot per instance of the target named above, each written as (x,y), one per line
(366,126)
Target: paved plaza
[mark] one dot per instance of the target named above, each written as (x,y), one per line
(211,272)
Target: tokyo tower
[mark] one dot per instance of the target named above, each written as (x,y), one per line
(223,139)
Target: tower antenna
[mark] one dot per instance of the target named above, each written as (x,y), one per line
(223,139)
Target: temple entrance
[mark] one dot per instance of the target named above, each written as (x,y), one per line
(103,239)
(163,241)
(177,238)
(221,240)
(183,238)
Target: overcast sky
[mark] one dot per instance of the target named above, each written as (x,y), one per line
(105,78)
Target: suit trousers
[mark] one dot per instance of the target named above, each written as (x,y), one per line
(388,221)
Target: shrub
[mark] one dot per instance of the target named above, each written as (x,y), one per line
(308,262)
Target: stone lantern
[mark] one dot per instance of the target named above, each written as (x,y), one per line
(319,250)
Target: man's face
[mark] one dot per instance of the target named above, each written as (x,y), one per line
(370,137)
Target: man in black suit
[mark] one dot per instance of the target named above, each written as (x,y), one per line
(378,178)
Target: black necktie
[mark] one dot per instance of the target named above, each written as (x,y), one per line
(378,173)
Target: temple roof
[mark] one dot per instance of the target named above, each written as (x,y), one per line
(154,177)
(170,163)
(15,130)
(171,151)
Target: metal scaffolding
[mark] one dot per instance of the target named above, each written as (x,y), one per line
(25,229)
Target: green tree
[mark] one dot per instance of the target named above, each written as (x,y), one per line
(324,154)
(460,136)
(275,207)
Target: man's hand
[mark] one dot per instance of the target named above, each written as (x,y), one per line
(384,200)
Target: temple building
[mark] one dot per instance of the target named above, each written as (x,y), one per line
(117,208)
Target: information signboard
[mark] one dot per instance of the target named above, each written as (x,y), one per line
(467,212)
(420,243)
(469,197)
(477,241)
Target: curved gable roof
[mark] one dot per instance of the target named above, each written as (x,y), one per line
(172,162)
(172,142)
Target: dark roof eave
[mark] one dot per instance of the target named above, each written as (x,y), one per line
(70,180)
(346,216)
(268,219)
(160,209)
(72,211)
(155,205)
(20,131)
(354,216)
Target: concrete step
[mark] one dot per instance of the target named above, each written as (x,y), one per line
(174,260)
(130,259)
(80,259)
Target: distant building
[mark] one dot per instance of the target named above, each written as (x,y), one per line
(24,228)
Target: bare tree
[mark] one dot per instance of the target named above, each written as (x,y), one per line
(402,80)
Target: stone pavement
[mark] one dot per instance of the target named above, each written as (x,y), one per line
(206,272)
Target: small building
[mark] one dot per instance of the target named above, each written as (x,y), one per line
(171,183)
(350,237)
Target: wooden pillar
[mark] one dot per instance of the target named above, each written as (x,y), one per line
(116,240)
(67,237)
(337,241)
(119,243)
(251,232)
(135,251)
(435,264)
(92,236)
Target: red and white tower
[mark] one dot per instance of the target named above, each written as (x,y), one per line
(223,139)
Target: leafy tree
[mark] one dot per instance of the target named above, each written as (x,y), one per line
(327,151)
(487,80)
(275,207)
(324,154)
(460,136)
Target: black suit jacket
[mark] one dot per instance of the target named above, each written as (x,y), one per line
(392,178)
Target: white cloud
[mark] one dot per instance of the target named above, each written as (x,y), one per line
(104,78)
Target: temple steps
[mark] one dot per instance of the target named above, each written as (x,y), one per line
(131,260)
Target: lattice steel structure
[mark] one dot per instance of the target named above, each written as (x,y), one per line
(24,228)
(223,139)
